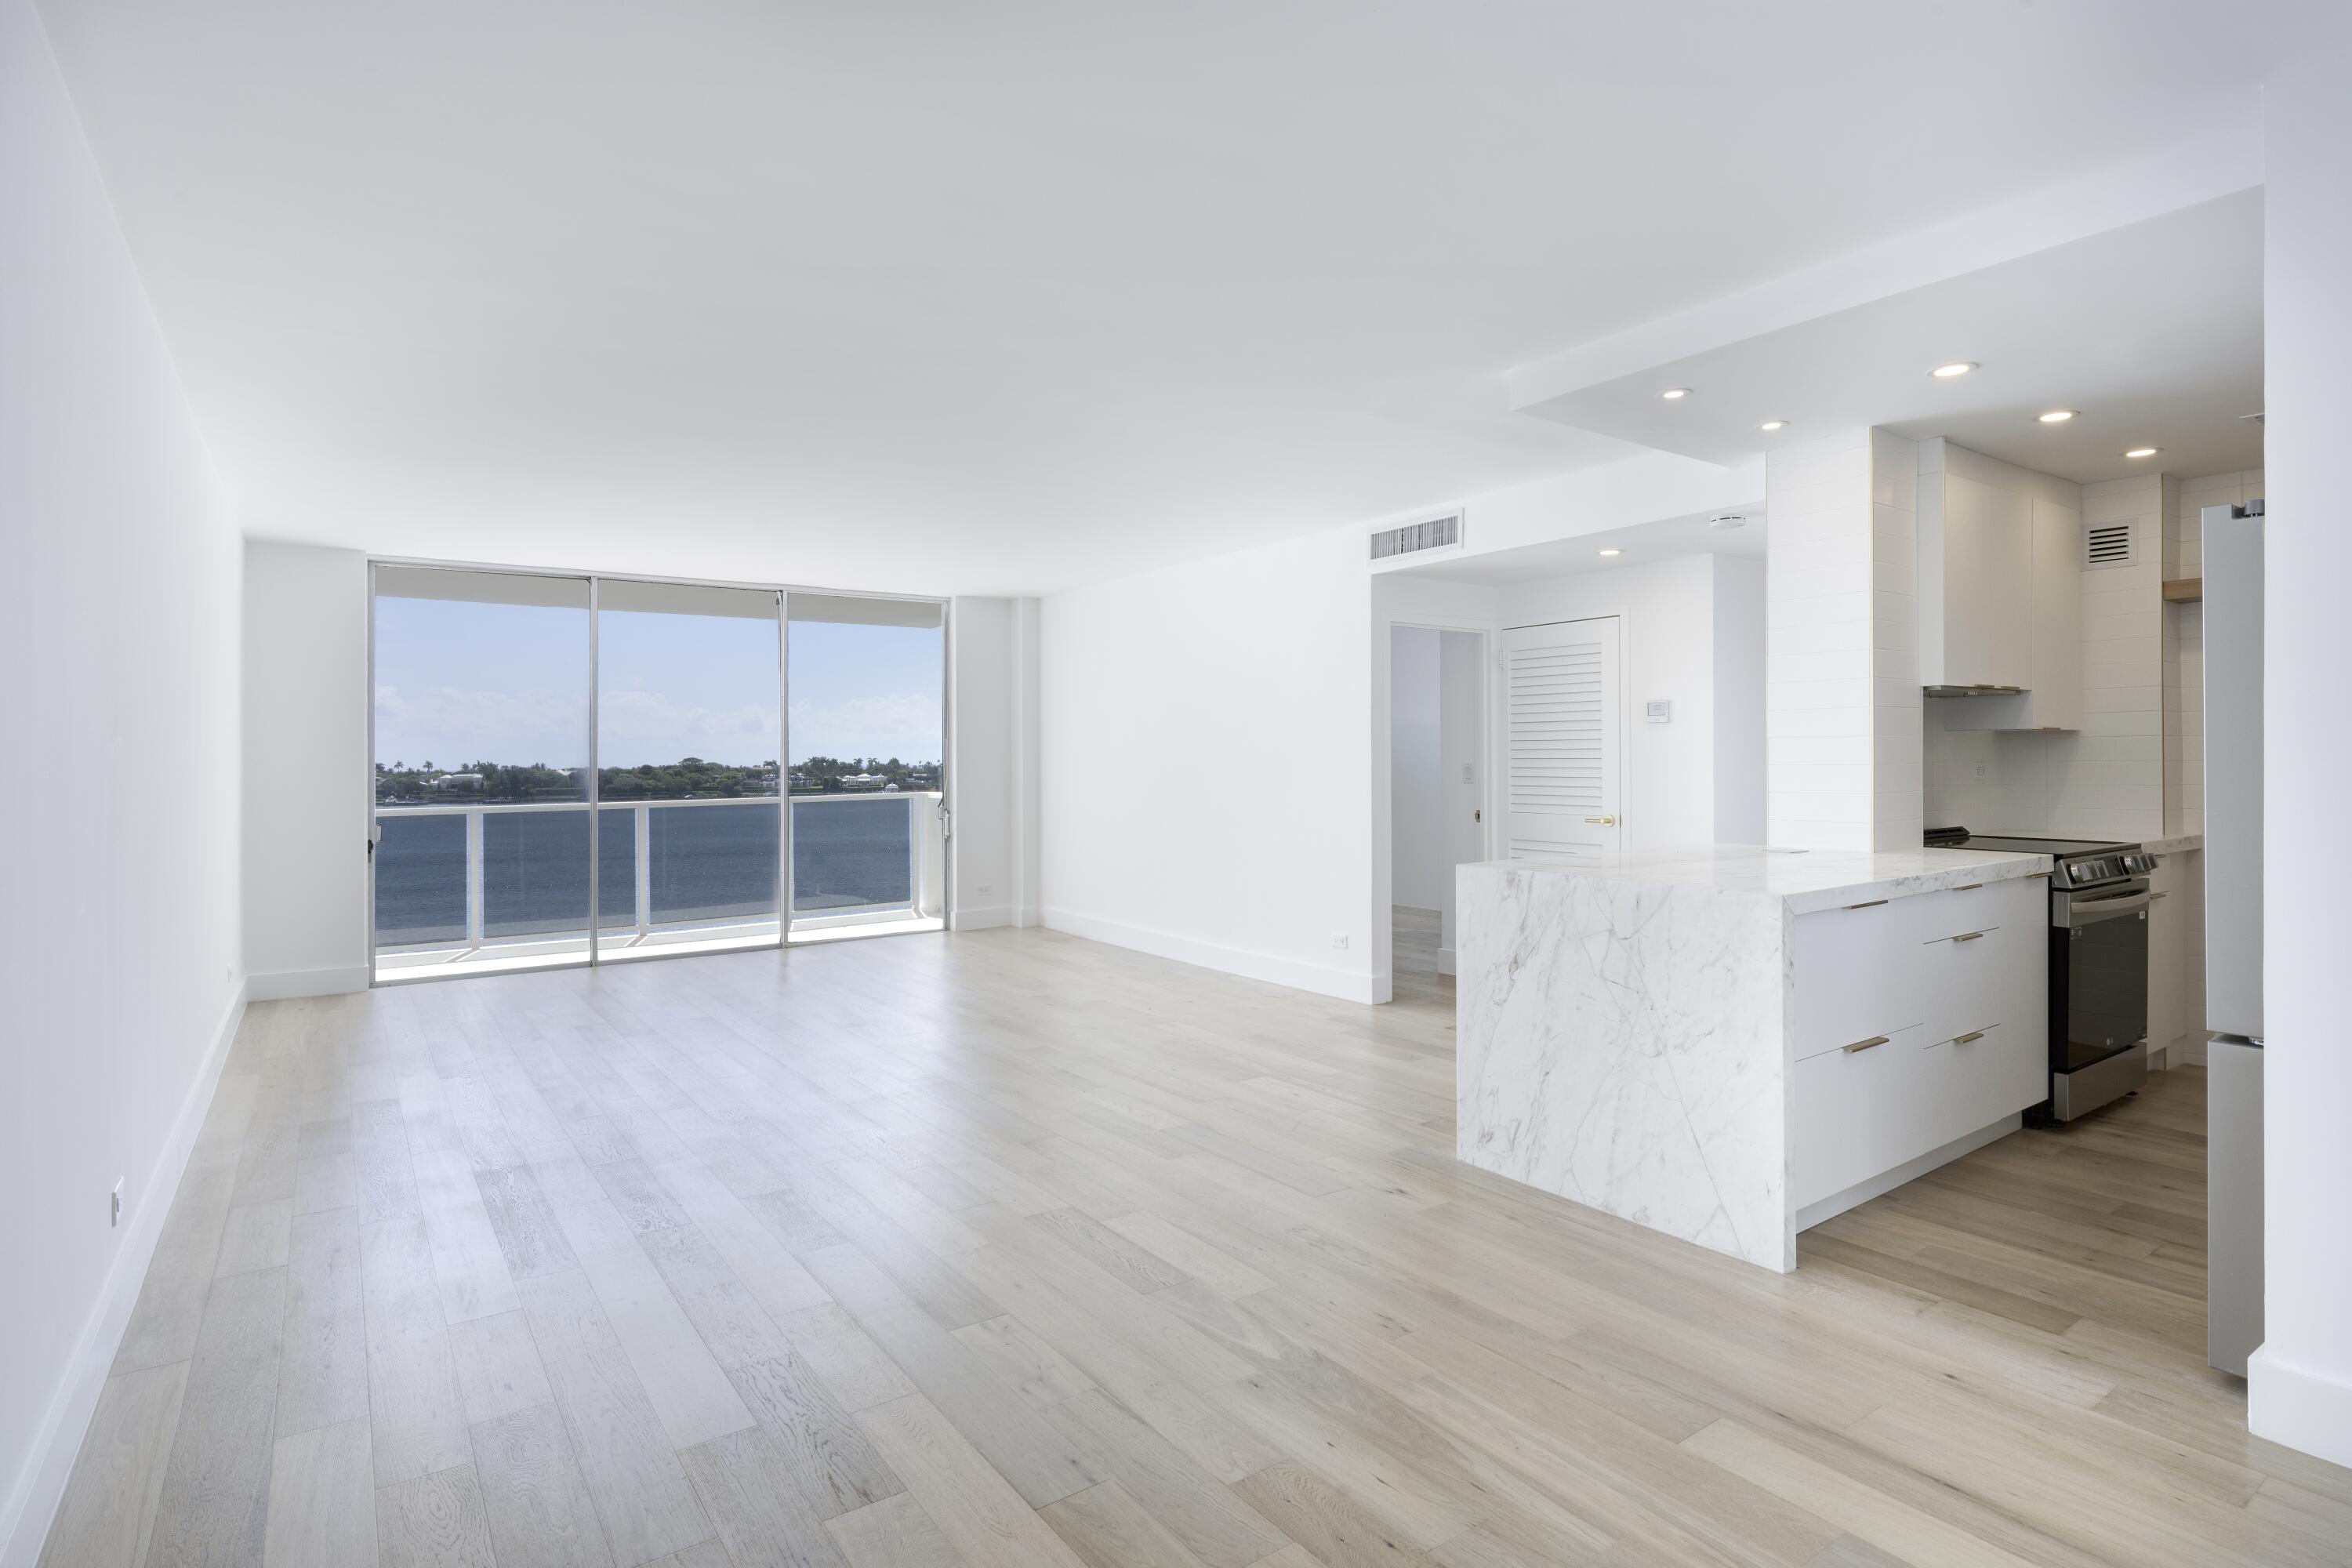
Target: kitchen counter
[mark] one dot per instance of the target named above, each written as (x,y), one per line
(1627,1027)
(2174,843)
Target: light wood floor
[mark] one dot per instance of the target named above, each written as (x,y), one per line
(1010,1249)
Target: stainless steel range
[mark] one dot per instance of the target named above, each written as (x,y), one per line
(2098,965)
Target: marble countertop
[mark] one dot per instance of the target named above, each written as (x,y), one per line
(2174,843)
(1808,879)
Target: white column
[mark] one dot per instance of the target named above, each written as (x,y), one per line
(1841,668)
(2299,1386)
(1897,777)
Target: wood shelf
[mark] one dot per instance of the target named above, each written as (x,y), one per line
(2184,590)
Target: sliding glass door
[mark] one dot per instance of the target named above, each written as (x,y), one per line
(481,851)
(868,741)
(690,733)
(549,746)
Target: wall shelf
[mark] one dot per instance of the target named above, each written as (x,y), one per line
(2184,590)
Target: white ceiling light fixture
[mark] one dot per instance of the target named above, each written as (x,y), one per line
(1773,425)
(1612,552)
(2143,451)
(2057,416)
(1729,519)
(1958,367)
(1675,394)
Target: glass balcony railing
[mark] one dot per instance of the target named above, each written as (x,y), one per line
(508,884)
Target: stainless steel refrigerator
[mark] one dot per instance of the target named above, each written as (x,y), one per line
(2233,933)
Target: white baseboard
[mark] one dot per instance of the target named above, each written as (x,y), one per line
(1347,985)
(984,918)
(1445,961)
(290,983)
(2299,1407)
(35,1492)
(1861,1192)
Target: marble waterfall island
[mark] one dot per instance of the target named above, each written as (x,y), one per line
(1624,1027)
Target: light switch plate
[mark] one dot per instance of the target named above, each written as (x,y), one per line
(1658,712)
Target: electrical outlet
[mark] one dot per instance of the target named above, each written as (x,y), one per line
(1340,941)
(1984,771)
(114,1206)
(985,889)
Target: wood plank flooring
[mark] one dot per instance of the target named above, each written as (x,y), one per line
(1010,1249)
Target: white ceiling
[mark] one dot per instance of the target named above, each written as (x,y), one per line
(1000,298)
(1641,544)
(2153,332)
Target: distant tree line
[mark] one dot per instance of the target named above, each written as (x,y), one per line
(689,778)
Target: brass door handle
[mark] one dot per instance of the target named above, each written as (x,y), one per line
(1866,1045)
(1968,936)
(1601,821)
(1971,1035)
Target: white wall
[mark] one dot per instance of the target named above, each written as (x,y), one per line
(1668,610)
(306,764)
(1419,865)
(1738,659)
(2300,1384)
(992,767)
(1206,764)
(118,938)
(1461,730)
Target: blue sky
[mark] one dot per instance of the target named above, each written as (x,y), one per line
(460,682)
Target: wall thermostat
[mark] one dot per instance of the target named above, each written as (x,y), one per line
(1658,712)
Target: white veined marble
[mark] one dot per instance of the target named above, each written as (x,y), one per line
(1621,1043)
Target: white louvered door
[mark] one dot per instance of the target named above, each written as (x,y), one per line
(1564,725)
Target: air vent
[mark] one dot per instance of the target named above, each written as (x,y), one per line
(2106,544)
(1436,533)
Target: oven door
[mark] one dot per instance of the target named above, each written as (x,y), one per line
(2105,975)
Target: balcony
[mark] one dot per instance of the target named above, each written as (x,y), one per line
(476,888)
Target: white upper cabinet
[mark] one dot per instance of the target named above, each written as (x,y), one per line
(1999,593)
(1975,571)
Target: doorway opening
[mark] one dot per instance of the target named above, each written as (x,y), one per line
(1437,794)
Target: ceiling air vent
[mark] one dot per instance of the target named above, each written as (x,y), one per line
(1435,534)
(2106,544)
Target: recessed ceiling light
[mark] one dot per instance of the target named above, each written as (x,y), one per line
(1727,520)
(2143,451)
(1773,425)
(1673,392)
(1612,552)
(2057,416)
(1957,367)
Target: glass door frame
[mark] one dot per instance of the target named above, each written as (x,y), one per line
(593,958)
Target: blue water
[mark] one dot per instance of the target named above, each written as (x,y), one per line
(705,863)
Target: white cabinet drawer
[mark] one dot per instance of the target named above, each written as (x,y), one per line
(1853,1114)
(1936,960)
(1983,976)
(1994,1070)
(1855,974)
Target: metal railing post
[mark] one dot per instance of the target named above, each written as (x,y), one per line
(643,829)
(474,878)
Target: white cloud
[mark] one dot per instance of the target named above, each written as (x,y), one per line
(905,725)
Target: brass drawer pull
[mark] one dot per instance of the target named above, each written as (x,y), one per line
(1968,887)
(1871,904)
(1968,936)
(1971,1035)
(1866,1045)
(2153,897)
